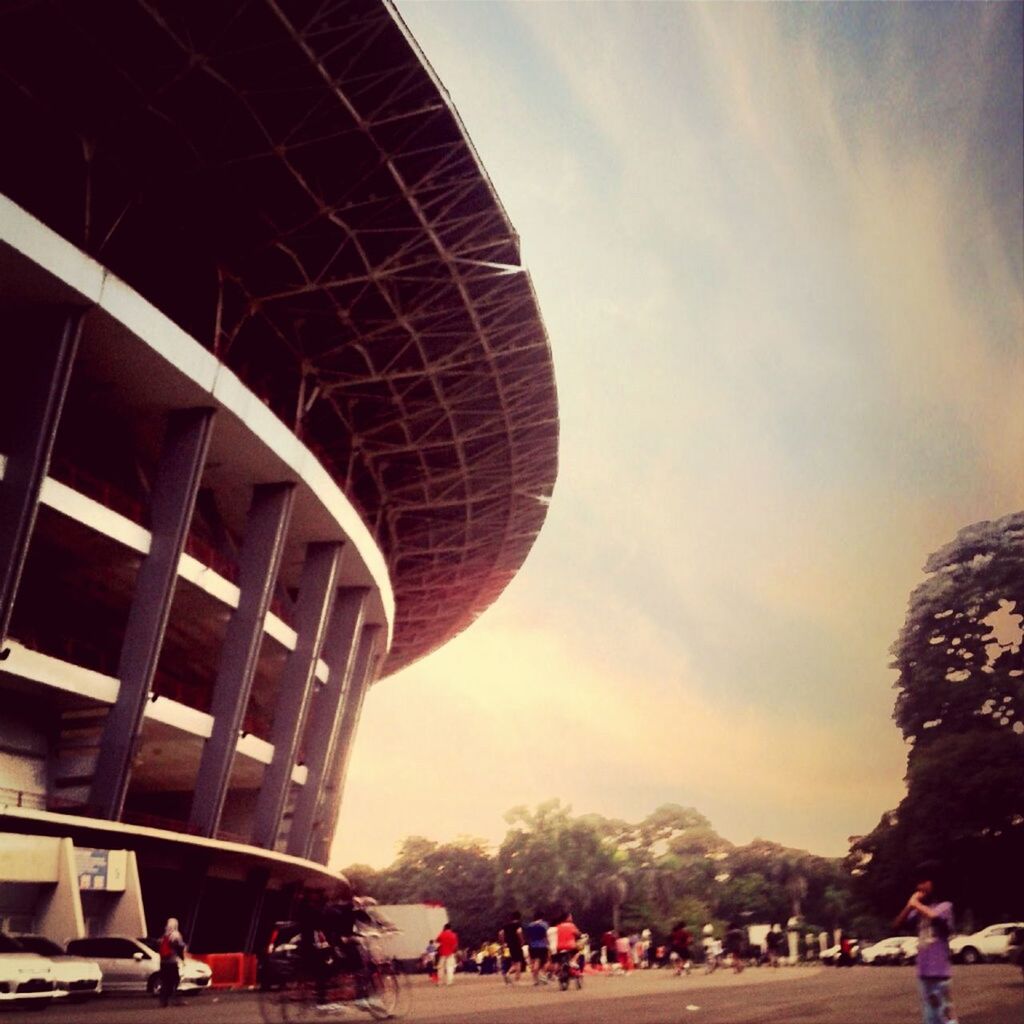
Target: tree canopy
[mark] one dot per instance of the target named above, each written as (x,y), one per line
(960,659)
(671,865)
(959,655)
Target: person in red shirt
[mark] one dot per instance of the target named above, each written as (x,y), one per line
(568,934)
(567,939)
(447,944)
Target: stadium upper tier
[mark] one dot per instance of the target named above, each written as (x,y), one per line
(288,181)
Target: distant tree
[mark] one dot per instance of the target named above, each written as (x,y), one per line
(960,704)
(551,860)
(667,860)
(747,897)
(362,878)
(460,875)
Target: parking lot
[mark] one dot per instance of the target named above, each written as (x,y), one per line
(987,994)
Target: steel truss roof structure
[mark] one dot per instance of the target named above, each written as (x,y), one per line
(288,181)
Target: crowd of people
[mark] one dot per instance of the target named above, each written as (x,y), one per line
(540,945)
(548,945)
(552,947)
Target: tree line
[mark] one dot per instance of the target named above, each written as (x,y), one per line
(672,865)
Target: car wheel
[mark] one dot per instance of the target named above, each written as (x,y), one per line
(970,955)
(153,985)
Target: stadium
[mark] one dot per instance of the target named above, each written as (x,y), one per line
(279,418)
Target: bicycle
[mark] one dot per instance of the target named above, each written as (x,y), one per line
(569,969)
(378,989)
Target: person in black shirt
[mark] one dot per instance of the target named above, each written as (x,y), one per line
(512,936)
(735,946)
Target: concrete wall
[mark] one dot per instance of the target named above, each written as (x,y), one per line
(23,755)
(41,891)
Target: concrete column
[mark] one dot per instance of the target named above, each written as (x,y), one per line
(367,660)
(39,354)
(265,533)
(59,913)
(313,611)
(127,913)
(325,712)
(171,504)
(256,886)
(194,867)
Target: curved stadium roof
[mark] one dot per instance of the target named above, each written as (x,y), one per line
(289,182)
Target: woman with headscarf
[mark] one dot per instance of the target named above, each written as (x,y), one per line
(172,949)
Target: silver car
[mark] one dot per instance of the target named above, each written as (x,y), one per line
(134,965)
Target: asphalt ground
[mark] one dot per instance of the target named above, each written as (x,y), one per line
(982,994)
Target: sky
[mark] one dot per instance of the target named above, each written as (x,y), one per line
(778,251)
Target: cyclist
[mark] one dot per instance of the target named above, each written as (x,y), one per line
(567,941)
(330,942)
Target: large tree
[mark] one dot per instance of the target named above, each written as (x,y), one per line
(960,706)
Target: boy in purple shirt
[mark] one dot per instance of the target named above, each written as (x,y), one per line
(934,924)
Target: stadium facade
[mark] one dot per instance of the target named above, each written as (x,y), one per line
(278,418)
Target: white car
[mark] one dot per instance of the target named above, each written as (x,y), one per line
(991,943)
(897,949)
(134,965)
(76,975)
(25,977)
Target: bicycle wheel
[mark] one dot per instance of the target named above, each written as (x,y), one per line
(293,1002)
(390,991)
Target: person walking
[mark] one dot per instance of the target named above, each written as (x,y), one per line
(622,954)
(512,933)
(536,935)
(735,946)
(447,944)
(171,950)
(934,921)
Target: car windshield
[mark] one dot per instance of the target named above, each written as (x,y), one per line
(154,944)
(37,944)
(8,945)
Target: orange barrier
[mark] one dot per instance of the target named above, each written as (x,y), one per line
(230,970)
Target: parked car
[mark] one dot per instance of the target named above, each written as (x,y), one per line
(76,975)
(895,950)
(26,978)
(991,943)
(134,964)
